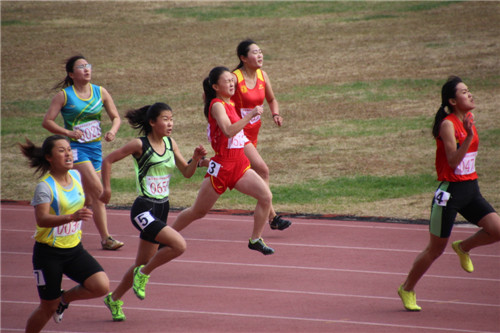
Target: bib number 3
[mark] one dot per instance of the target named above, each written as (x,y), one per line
(213,168)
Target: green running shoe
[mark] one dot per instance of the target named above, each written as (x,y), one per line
(115,307)
(140,281)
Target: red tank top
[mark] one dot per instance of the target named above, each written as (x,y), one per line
(466,170)
(226,147)
(246,99)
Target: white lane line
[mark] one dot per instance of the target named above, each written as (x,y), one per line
(275,317)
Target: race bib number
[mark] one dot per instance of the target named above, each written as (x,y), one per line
(238,141)
(75,154)
(441,197)
(91,130)
(213,168)
(39,278)
(144,219)
(158,185)
(245,111)
(468,164)
(68,229)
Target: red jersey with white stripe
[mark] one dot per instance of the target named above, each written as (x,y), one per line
(245,100)
(466,170)
(225,147)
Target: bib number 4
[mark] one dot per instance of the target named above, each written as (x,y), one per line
(441,197)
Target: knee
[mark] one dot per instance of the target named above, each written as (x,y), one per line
(267,197)
(98,284)
(435,252)
(179,247)
(491,225)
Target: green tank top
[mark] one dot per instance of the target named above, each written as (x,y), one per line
(153,171)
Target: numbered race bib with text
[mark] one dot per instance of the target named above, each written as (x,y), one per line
(245,111)
(91,130)
(158,185)
(468,164)
(238,141)
(67,229)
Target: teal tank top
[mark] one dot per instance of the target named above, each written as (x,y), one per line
(83,114)
(153,171)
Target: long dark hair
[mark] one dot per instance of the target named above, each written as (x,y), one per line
(242,50)
(140,118)
(213,78)
(70,64)
(37,155)
(449,90)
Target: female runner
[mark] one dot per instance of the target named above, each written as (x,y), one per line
(156,155)
(80,104)
(252,87)
(229,168)
(457,146)
(59,211)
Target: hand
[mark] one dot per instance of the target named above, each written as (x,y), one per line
(75,134)
(468,123)
(83,214)
(199,151)
(110,136)
(278,120)
(257,111)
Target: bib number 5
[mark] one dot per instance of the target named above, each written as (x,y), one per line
(144,219)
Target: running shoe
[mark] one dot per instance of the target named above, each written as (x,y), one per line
(279,223)
(140,281)
(464,257)
(58,315)
(115,307)
(409,299)
(111,244)
(260,246)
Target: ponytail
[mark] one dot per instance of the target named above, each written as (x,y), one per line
(448,91)
(210,93)
(68,81)
(37,155)
(440,115)
(140,118)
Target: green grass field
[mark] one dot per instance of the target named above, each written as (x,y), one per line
(358,85)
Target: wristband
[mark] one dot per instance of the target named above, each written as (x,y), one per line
(201,159)
(275,114)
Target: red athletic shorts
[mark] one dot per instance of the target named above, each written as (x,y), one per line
(224,173)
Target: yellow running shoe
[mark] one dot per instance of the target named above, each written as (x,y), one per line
(464,257)
(409,299)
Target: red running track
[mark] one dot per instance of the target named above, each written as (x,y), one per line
(326,276)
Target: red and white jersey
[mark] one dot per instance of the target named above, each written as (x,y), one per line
(225,147)
(466,170)
(245,100)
